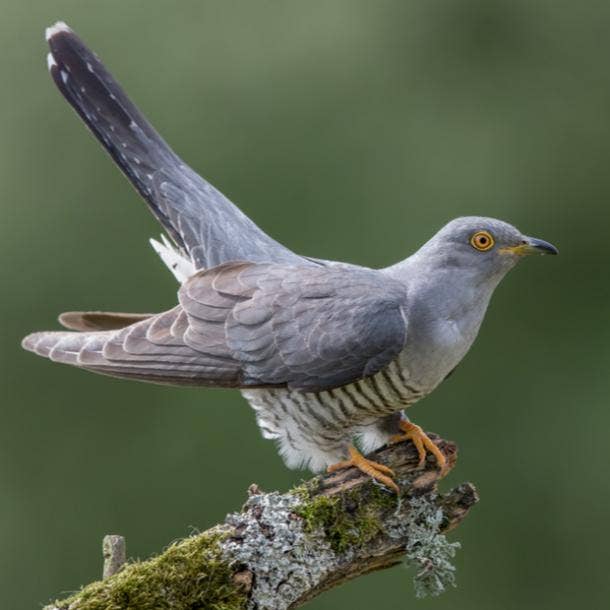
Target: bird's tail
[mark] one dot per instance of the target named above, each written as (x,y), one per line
(207,228)
(152,348)
(87,350)
(76,348)
(114,120)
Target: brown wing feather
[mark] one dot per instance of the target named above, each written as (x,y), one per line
(99,320)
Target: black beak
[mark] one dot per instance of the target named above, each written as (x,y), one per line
(540,246)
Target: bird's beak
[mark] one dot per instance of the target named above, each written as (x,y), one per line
(531,245)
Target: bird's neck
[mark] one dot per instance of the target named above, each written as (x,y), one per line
(445,307)
(449,292)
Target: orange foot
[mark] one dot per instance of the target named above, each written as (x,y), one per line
(379,472)
(412,432)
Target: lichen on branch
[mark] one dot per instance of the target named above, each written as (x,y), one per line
(281,550)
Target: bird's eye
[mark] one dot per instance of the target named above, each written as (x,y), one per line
(482,241)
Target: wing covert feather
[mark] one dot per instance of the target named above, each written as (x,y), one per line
(309,328)
(252,325)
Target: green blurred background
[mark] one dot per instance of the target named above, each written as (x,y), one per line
(348,130)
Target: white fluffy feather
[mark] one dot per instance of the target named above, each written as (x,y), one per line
(181,267)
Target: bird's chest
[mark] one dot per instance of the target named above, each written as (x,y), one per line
(435,350)
(355,404)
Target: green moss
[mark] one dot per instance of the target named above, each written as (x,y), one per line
(307,489)
(190,573)
(348,520)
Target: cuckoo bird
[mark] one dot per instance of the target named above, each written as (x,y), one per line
(328,354)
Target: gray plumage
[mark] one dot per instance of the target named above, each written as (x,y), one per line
(323,351)
(204,224)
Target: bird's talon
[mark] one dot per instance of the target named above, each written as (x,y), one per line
(377,471)
(382,468)
(423,444)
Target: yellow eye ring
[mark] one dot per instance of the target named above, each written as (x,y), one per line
(482,241)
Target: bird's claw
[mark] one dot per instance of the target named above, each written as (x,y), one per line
(423,444)
(377,471)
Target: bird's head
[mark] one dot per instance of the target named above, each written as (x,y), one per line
(483,248)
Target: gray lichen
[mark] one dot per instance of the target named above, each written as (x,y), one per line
(271,541)
(428,550)
(293,542)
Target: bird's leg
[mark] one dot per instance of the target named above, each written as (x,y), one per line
(379,472)
(412,432)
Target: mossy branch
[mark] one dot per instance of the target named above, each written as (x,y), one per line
(281,550)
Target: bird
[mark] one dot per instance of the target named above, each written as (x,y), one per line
(329,354)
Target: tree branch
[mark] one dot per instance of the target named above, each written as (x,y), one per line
(281,550)
(115,554)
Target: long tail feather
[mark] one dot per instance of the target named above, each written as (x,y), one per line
(204,224)
(102,104)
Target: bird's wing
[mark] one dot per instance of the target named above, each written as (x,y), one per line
(204,224)
(253,325)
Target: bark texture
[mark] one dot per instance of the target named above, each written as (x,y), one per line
(115,554)
(283,549)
